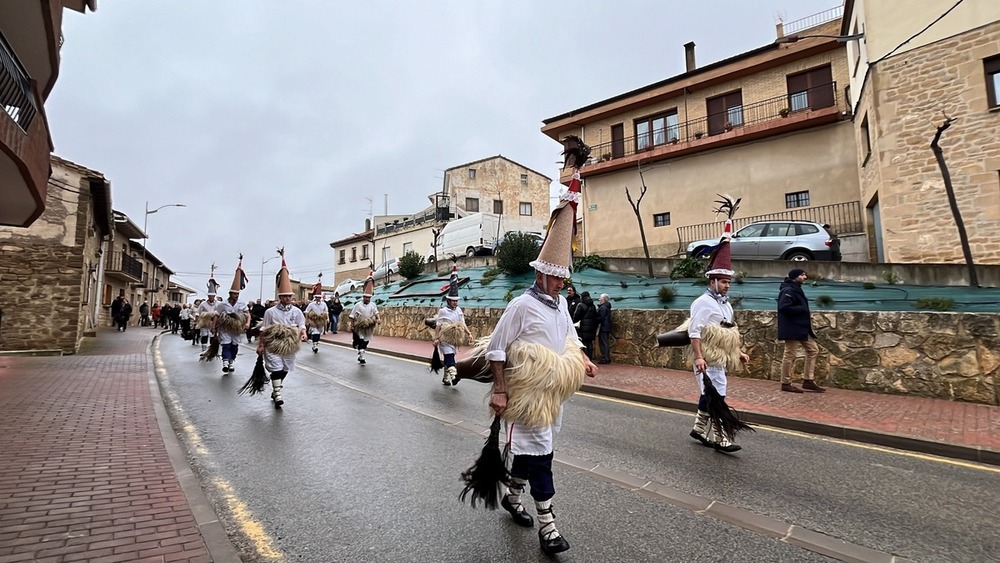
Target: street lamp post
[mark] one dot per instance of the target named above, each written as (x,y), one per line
(262,262)
(145,236)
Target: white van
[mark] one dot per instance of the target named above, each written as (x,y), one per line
(471,235)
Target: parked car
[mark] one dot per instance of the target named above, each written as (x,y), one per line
(347,286)
(537,236)
(385,269)
(777,240)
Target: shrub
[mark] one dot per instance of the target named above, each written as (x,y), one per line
(936,303)
(590,261)
(688,268)
(489,275)
(735,300)
(515,253)
(891,278)
(667,293)
(411,265)
(825,301)
(739,277)
(509,295)
(868,285)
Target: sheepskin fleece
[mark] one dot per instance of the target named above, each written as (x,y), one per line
(281,340)
(720,346)
(363,324)
(539,381)
(206,319)
(317,320)
(232,323)
(454,334)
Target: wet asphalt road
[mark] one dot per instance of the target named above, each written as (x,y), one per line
(362,464)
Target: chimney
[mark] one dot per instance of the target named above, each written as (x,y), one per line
(689,56)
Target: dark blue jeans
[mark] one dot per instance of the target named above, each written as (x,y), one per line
(537,469)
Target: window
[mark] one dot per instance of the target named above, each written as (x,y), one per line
(656,130)
(780,230)
(364,252)
(498,207)
(801,229)
(661,219)
(812,89)
(386,254)
(472,173)
(354,254)
(526,208)
(724,112)
(992,68)
(343,256)
(797,199)
(524,179)
(407,247)
(754,230)
(866,143)
(472,204)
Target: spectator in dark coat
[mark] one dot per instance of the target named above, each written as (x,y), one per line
(116,309)
(795,328)
(572,300)
(604,328)
(336,308)
(124,314)
(586,319)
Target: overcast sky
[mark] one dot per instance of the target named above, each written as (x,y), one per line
(273,121)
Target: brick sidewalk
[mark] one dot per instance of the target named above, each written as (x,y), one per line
(948,428)
(85,473)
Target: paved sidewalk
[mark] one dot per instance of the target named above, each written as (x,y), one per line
(91,470)
(946,428)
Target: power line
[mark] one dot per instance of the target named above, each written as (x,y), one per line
(915,35)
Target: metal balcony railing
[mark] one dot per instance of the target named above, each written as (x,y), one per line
(121,263)
(410,223)
(843,218)
(16,94)
(771,109)
(813,20)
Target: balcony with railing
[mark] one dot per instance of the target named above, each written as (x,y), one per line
(24,134)
(735,125)
(123,267)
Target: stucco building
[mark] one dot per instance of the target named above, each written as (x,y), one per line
(913,67)
(771,126)
(51,272)
(30,41)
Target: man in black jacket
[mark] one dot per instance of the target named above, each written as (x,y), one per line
(604,328)
(795,328)
(585,316)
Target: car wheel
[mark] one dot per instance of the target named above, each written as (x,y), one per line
(799,256)
(698,252)
(470,252)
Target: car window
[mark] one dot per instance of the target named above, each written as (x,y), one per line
(806,229)
(780,230)
(751,230)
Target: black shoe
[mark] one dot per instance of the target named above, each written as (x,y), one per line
(445,382)
(810,385)
(697,436)
(552,546)
(521,518)
(278,403)
(361,361)
(225,369)
(789,388)
(731,448)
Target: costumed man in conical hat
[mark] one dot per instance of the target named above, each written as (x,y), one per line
(450,330)
(281,332)
(232,319)
(537,362)
(317,314)
(205,314)
(364,318)
(716,345)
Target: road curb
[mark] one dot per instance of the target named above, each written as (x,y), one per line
(906,443)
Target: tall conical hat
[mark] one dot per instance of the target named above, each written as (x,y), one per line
(369,289)
(318,287)
(556,255)
(212,285)
(720,263)
(284,282)
(239,279)
(453,283)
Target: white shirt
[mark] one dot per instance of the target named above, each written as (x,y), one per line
(529,320)
(447,315)
(317,307)
(705,310)
(368,311)
(279,315)
(225,307)
(207,307)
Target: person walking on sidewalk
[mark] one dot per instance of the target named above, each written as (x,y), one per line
(282,331)
(317,316)
(336,308)
(124,314)
(231,320)
(795,329)
(364,319)
(450,330)
(585,317)
(604,328)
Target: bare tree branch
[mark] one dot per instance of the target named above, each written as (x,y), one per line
(638,216)
(952,202)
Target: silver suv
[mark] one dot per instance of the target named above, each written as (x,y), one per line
(777,240)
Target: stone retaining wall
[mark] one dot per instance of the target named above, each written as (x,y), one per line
(953,356)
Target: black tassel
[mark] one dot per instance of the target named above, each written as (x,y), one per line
(724,417)
(258,379)
(486,477)
(212,352)
(436,362)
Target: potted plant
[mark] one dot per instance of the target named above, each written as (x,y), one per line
(729,126)
(784,112)
(605,156)
(699,134)
(673,140)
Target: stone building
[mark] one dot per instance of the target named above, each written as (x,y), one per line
(30,43)
(770,125)
(904,79)
(51,272)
